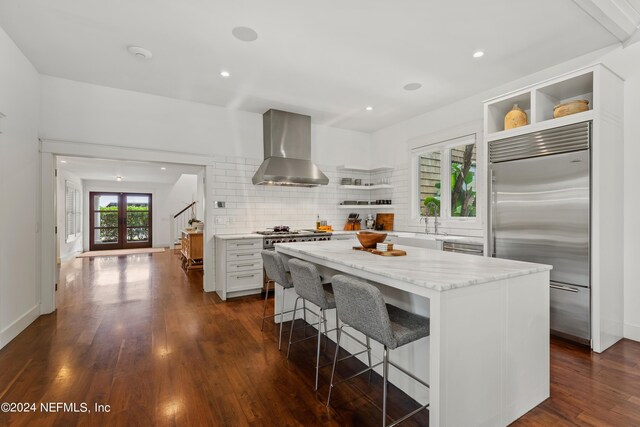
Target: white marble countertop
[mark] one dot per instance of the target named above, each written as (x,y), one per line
(412,235)
(426,268)
(239,236)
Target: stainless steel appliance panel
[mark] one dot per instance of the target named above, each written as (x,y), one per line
(463,248)
(540,213)
(570,311)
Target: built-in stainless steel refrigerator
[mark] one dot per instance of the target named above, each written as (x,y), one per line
(539,212)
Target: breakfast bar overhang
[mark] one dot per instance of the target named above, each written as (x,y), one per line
(488,351)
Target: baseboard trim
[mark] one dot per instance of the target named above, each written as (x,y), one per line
(69,256)
(632,332)
(19,325)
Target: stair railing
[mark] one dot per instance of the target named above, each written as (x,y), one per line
(178,223)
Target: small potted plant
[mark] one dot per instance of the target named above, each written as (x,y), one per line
(196,224)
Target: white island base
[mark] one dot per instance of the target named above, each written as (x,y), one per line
(487,358)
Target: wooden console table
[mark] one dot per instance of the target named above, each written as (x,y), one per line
(192,250)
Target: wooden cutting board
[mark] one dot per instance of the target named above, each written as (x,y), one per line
(395,252)
(386,220)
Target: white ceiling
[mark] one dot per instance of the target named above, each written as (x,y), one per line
(328,59)
(130,171)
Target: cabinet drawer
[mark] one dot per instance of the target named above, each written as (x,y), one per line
(244,265)
(244,244)
(245,280)
(235,257)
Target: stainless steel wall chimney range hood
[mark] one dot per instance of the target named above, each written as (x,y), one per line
(287,152)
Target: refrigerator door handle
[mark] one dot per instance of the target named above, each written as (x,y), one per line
(492,208)
(561,287)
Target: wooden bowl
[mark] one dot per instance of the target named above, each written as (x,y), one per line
(569,108)
(369,240)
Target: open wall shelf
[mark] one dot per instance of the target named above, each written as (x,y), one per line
(538,102)
(354,168)
(356,207)
(365,187)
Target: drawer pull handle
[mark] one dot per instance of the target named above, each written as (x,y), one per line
(244,254)
(245,244)
(246,275)
(246,265)
(563,288)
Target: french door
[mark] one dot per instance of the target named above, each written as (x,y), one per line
(119,221)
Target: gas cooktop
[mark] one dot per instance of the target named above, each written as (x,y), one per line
(272,237)
(292,233)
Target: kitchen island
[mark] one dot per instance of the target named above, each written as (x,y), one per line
(487,358)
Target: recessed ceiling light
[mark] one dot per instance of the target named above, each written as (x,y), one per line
(118,178)
(412,86)
(140,52)
(478,54)
(225,73)
(63,161)
(164,169)
(369,108)
(245,34)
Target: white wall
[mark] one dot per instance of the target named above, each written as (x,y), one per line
(166,200)
(632,201)
(200,187)
(19,191)
(250,207)
(87,113)
(90,114)
(625,62)
(391,144)
(66,250)
(82,112)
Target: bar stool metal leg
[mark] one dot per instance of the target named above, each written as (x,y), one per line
(369,356)
(304,315)
(335,358)
(284,291)
(295,307)
(264,306)
(385,376)
(320,321)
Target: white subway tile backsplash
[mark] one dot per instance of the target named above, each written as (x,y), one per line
(250,207)
(236,160)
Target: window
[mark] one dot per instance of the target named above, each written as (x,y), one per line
(447,179)
(73,212)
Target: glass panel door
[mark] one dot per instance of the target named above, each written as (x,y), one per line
(120,221)
(104,221)
(138,220)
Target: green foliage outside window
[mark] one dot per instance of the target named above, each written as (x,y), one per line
(463,186)
(137,216)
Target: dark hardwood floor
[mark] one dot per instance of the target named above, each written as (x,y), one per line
(138,334)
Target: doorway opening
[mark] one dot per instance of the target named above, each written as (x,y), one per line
(120,221)
(174,180)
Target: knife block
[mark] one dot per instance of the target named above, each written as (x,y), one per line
(352,225)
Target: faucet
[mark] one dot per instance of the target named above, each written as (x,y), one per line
(426,223)
(435,209)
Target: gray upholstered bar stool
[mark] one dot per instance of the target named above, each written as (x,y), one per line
(361,306)
(276,271)
(308,285)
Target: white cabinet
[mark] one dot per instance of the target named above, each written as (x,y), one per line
(238,267)
(419,242)
(539,100)
(604,91)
